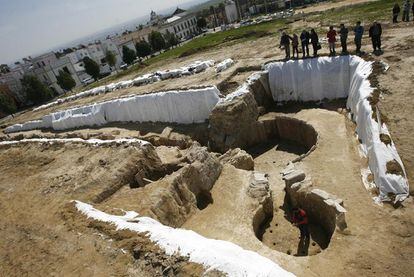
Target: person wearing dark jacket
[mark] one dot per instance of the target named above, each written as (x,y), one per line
(315,42)
(375,32)
(359,32)
(343,33)
(395,12)
(295,45)
(412,8)
(304,38)
(285,42)
(300,219)
(406,10)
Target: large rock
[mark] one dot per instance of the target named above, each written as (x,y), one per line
(231,123)
(238,158)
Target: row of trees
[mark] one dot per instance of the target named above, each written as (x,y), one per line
(157,42)
(37,92)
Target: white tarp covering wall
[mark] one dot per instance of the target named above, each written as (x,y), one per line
(186,106)
(340,77)
(196,67)
(224,65)
(213,254)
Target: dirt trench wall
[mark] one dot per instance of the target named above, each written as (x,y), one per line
(175,198)
(235,123)
(322,208)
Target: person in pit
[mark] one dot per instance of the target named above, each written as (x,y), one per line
(295,45)
(343,33)
(285,43)
(304,38)
(300,219)
(315,42)
(359,32)
(331,35)
(375,32)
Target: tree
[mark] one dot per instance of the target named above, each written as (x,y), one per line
(7,104)
(65,80)
(4,68)
(201,23)
(128,55)
(171,40)
(156,40)
(92,68)
(35,90)
(213,11)
(143,49)
(110,58)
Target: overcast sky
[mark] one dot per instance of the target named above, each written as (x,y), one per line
(31,26)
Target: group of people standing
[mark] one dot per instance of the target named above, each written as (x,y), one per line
(406,11)
(306,38)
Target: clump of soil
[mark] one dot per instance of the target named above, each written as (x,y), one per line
(385,139)
(227,87)
(393,167)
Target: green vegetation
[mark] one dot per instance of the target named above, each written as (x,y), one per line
(65,80)
(110,58)
(128,55)
(7,104)
(35,90)
(221,38)
(201,23)
(206,42)
(156,40)
(365,12)
(92,68)
(171,40)
(143,49)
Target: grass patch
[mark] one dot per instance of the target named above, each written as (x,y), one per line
(365,12)
(200,44)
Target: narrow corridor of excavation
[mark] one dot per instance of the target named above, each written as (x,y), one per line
(278,233)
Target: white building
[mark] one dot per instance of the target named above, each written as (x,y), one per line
(232,14)
(12,81)
(181,23)
(47,67)
(110,45)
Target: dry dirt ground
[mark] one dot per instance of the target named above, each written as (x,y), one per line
(42,234)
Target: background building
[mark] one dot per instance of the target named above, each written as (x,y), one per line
(181,23)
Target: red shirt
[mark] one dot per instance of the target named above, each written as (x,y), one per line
(300,217)
(331,36)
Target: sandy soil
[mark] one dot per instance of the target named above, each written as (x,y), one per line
(42,235)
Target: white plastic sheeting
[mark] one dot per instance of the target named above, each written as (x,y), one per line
(94,142)
(340,77)
(196,67)
(224,65)
(185,106)
(213,254)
